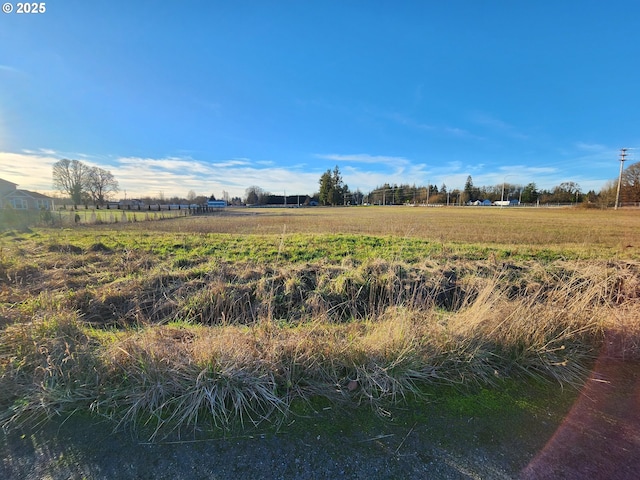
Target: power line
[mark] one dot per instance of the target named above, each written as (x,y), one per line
(623,156)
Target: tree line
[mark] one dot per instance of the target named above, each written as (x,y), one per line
(86,184)
(387,194)
(333,191)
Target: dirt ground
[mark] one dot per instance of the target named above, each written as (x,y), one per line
(594,434)
(78,450)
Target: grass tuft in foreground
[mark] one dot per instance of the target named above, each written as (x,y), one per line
(182,375)
(168,332)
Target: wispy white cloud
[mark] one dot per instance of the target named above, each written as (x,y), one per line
(441,130)
(543,177)
(366,180)
(410,122)
(31,171)
(232,163)
(139,177)
(176,176)
(364,158)
(461,133)
(11,70)
(527,170)
(591,147)
(366,171)
(593,151)
(454,166)
(40,151)
(158,163)
(497,125)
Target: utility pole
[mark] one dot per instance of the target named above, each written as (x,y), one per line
(428,191)
(623,156)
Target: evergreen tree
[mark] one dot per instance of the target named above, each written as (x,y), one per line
(469,191)
(337,192)
(333,191)
(326,188)
(530,193)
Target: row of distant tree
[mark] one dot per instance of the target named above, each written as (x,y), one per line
(85,184)
(393,194)
(333,191)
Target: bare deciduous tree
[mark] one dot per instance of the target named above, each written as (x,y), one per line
(607,196)
(631,183)
(100,184)
(79,181)
(70,177)
(254,195)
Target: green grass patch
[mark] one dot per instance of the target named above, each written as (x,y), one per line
(178,324)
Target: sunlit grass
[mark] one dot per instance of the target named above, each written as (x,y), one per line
(170,325)
(586,230)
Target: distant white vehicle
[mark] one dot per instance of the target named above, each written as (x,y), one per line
(506,203)
(216,203)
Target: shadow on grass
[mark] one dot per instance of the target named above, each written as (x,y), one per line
(478,434)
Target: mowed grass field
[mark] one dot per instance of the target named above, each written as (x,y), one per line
(238,317)
(577,229)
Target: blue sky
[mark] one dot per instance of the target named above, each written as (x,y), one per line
(217,95)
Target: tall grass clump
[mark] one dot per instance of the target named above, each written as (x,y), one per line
(47,367)
(162,379)
(178,377)
(218,344)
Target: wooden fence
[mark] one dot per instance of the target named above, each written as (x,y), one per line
(67,216)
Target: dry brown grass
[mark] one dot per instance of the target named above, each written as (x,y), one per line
(576,228)
(183,376)
(155,331)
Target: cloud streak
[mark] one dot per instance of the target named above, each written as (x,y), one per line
(365,158)
(140,177)
(441,130)
(369,171)
(176,176)
(10,70)
(496,125)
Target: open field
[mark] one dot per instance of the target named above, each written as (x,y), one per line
(247,317)
(602,232)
